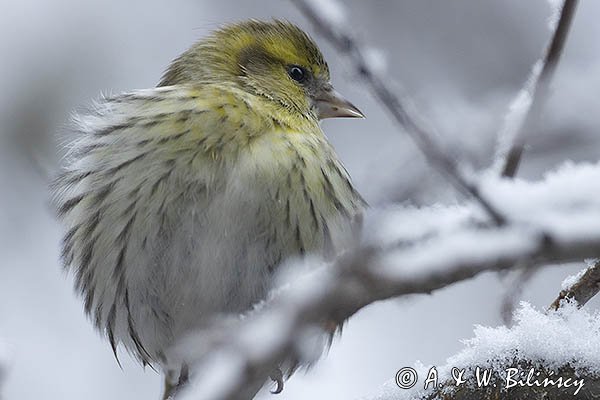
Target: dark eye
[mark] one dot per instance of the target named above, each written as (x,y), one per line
(297,73)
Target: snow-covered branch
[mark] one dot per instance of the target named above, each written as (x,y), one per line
(523,117)
(405,251)
(526,110)
(584,286)
(543,356)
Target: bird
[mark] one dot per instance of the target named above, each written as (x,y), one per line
(179,202)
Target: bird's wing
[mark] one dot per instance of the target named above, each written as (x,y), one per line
(135,157)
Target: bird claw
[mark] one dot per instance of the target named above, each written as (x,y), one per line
(277,377)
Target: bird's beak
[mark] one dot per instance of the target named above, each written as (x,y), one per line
(331,104)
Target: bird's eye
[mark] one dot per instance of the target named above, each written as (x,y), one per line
(297,73)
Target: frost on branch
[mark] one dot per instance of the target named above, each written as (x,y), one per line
(581,287)
(520,106)
(515,117)
(564,343)
(526,110)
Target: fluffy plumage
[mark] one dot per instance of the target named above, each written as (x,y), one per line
(179,202)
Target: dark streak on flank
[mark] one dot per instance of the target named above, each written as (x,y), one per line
(119,127)
(301,159)
(144,142)
(119,270)
(123,237)
(151,123)
(69,205)
(142,352)
(182,116)
(85,150)
(161,116)
(349,185)
(159,181)
(313,213)
(182,194)
(102,193)
(162,316)
(130,123)
(120,286)
(67,245)
(330,193)
(173,137)
(98,315)
(134,97)
(86,256)
(287,212)
(116,168)
(89,294)
(328,249)
(85,276)
(118,274)
(194,155)
(299,239)
(110,331)
(134,192)
(340,207)
(289,181)
(129,208)
(91,224)
(85,273)
(201,142)
(304,187)
(75,178)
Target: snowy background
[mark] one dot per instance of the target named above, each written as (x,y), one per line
(461,62)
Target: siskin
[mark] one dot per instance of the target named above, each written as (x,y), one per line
(179,202)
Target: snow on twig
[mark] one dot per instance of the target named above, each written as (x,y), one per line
(526,109)
(585,286)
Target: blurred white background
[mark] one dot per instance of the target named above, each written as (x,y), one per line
(461,62)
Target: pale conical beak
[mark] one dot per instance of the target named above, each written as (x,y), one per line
(331,104)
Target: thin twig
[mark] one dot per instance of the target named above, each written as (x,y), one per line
(583,290)
(540,89)
(345,44)
(513,292)
(539,95)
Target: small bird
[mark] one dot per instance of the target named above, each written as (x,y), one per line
(179,202)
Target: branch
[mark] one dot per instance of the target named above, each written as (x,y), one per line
(586,287)
(513,293)
(561,346)
(539,93)
(339,291)
(345,44)
(540,89)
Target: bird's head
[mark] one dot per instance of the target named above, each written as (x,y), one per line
(275,60)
